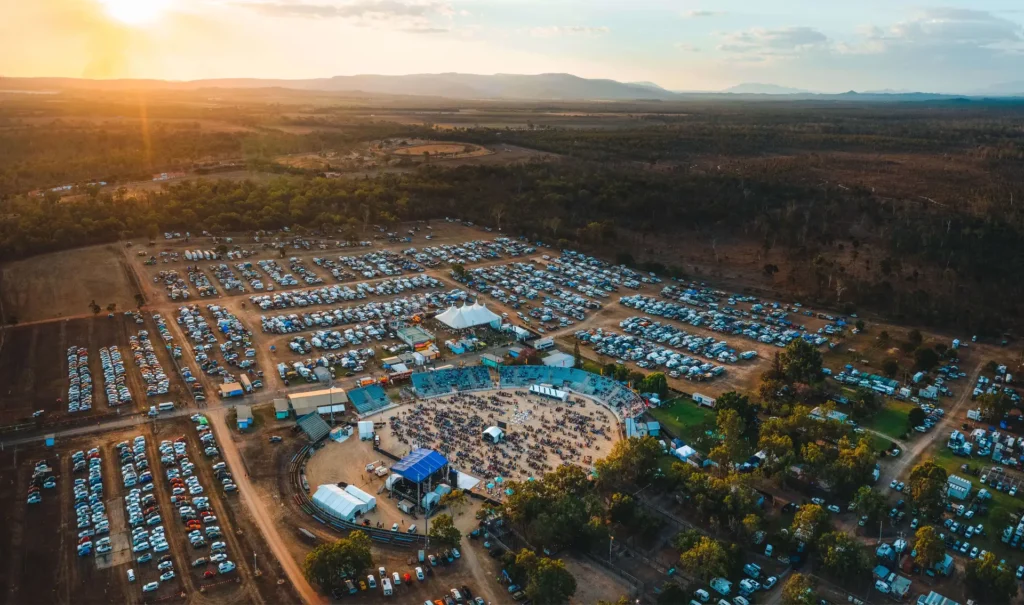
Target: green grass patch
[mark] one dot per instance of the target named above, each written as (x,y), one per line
(688,421)
(891,420)
(999,504)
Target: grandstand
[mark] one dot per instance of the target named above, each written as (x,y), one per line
(369,399)
(573,379)
(442,382)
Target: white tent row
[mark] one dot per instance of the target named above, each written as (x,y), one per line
(468,316)
(546,391)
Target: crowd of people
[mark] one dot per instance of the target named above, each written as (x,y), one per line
(539,433)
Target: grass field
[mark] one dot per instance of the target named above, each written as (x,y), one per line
(999,507)
(688,421)
(891,419)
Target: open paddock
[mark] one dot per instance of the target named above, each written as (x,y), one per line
(64,284)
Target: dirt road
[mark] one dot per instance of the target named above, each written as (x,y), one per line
(259,513)
(939,431)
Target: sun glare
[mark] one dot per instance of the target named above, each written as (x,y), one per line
(135,12)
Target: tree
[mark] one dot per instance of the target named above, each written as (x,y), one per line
(859,325)
(989,582)
(890,366)
(706,559)
(454,499)
(655,382)
(329,564)
(550,583)
(914,337)
(925,359)
(632,462)
(671,594)
(459,270)
(930,548)
(801,362)
(443,530)
(809,522)
(994,406)
(916,417)
(798,590)
(865,403)
(927,485)
(842,554)
(741,405)
(869,502)
(732,428)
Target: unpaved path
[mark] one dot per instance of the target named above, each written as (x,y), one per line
(939,431)
(256,508)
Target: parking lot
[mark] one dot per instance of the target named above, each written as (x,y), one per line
(34,367)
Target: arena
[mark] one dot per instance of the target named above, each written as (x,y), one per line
(539,433)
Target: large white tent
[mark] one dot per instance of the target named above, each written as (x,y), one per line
(337,502)
(468,316)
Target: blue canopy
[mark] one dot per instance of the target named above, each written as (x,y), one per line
(419,464)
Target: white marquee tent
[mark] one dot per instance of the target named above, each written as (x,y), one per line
(547,391)
(468,316)
(495,434)
(337,502)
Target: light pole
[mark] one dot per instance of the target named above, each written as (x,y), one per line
(611,540)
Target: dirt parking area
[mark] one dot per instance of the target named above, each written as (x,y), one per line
(34,368)
(64,284)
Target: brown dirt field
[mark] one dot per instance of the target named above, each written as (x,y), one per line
(33,365)
(62,284)
(456,149)
(182,123)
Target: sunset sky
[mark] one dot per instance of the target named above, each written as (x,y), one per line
(958,46)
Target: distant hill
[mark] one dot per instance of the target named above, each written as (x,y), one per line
(451,85)
(1004,89)
(754,88)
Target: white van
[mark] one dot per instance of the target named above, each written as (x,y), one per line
(412,529)
(702,594)
(131,575)
(371,581)
(387,587)
(166,406)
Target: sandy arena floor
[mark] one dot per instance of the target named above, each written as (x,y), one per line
(541,434)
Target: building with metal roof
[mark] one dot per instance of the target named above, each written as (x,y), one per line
(419,465)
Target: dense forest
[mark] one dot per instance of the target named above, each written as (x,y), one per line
(929,196)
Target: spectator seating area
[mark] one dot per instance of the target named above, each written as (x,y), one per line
(441,382)
(586,383)
(369,399)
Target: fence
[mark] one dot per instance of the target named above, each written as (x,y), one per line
(323,517)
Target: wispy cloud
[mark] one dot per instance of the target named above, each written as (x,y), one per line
(553,31)
(767,42)
(699,14)
(690,48)
(356,8)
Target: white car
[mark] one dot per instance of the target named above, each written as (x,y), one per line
(420,577)
(150,587)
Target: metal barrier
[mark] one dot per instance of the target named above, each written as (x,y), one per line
(323,517)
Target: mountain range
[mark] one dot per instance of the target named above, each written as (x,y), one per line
(540,87)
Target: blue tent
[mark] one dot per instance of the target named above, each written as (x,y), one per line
(419,464)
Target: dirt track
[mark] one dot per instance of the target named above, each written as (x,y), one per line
(256,507)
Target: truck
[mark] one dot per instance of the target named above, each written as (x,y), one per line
(246,383)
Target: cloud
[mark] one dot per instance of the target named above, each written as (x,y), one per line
(690,48)
(767,42)
(425,30)
(355,9)
(553,31)
(951,26)
(699,14)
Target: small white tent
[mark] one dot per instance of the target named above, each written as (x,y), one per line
(494,434)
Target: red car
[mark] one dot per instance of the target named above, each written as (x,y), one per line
(209,574)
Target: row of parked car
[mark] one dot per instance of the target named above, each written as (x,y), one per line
(90,512)
(400,308)
(115,379)
(145,357)
(374,264)
(79,380)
